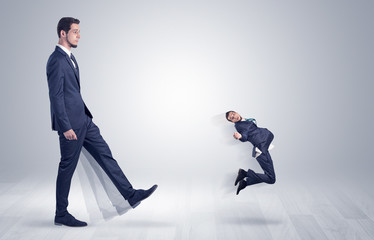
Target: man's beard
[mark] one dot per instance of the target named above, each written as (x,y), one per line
(71,45)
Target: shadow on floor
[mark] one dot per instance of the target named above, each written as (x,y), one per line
(149,223)
(40,223)
(249,221)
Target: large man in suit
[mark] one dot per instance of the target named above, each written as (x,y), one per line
(73,122)
(261,138)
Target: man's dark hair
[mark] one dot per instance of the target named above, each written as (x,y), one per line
(227,115)
(65,24)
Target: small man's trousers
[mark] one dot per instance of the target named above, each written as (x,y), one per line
(266,164)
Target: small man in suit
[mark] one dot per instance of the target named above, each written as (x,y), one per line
(73,121)
(261,138)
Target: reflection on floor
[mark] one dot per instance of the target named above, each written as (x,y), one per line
(193,211)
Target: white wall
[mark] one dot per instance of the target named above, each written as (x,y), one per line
(159,75)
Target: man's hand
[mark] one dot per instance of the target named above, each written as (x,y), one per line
(70,135)
(237,135)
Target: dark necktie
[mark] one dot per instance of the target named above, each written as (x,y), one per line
(75,62)
(76,67)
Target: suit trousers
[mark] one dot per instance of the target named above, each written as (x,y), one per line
(266,164)
(88,136)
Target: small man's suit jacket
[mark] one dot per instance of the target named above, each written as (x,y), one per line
(259,137)
(68,110)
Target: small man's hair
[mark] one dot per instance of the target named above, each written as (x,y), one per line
(227,115)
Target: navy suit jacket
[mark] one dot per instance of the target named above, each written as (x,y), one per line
(259,137)
(68,110)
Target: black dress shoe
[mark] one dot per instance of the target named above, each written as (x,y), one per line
(69,220)
(241,175)
(140,195)
(242,185)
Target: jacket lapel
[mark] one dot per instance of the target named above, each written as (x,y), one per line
(72,67)
(76,71)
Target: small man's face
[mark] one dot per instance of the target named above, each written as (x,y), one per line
(234,117)
(73,35)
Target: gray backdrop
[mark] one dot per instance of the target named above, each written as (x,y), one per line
(158,77)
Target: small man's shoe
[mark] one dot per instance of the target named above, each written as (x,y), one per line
(140,195)
(242,185)
(241,175)
(69,220)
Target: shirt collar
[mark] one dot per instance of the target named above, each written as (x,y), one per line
(64,49)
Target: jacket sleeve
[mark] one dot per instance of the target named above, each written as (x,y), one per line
(244,132)
(55,77)
(244,137)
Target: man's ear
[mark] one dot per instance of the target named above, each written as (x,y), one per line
(63,33)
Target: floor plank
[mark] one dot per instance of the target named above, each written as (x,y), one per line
(191,210)
(307,227)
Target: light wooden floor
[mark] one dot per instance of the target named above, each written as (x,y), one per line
(193,211)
